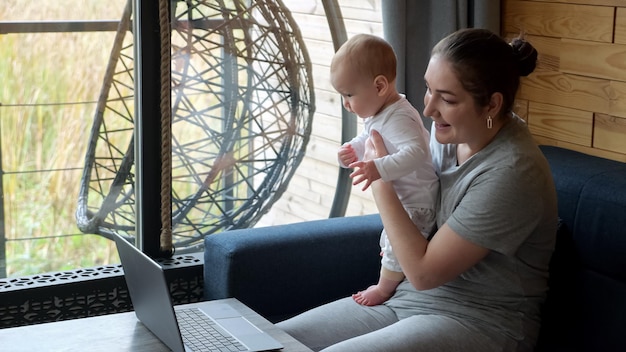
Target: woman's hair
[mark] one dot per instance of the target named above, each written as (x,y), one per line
(368,54)
(485,63)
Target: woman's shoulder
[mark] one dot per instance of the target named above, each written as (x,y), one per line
(515,142)
(517,158)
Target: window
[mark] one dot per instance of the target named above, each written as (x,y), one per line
(52,67)
(53,72)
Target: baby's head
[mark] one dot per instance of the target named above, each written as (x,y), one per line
(363,71)
(368,55)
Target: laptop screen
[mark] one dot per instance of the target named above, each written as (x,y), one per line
(149,293)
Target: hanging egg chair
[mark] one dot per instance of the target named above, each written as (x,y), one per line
(242,105)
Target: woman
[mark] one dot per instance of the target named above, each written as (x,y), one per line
(479,283)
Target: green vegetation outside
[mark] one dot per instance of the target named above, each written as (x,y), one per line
(49,85)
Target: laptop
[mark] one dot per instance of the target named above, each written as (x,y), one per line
(150,295)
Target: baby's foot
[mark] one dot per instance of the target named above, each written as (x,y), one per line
(372,296)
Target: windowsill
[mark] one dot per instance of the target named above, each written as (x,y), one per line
(90,291)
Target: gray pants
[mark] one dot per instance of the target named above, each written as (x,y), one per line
(345,326)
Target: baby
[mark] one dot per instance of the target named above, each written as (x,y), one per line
(363,71)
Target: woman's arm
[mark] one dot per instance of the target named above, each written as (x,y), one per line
(426,264)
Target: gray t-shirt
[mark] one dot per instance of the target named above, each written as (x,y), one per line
(502,198)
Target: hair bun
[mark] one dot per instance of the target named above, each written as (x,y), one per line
(526,56)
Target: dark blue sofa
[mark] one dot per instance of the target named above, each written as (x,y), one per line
(282,270)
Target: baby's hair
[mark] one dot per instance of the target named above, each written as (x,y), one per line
(485,63)
(368,54)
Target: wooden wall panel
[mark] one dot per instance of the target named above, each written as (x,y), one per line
(609,132)
(620,25)
(593,23)
(594,59)
(576,97)
(617,106)
(578,92)
(561,123)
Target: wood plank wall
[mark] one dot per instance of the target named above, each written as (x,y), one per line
(576,98)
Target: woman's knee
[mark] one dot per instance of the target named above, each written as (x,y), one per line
(335,322)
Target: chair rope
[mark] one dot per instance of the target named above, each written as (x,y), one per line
(166,130)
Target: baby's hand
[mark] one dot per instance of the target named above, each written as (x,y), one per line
(366,171)
(346,154)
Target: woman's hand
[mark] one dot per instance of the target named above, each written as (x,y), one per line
(375,147)
(366,170)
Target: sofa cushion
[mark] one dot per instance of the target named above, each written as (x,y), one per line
(283,270)
(586,305)
(572,171)
(600,227)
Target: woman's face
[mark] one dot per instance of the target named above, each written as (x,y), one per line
(456,117)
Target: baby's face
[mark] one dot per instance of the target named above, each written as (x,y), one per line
(359,94)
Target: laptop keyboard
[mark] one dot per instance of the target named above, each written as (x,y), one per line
(200,333)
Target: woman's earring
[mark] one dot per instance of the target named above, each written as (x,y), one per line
(489,122)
